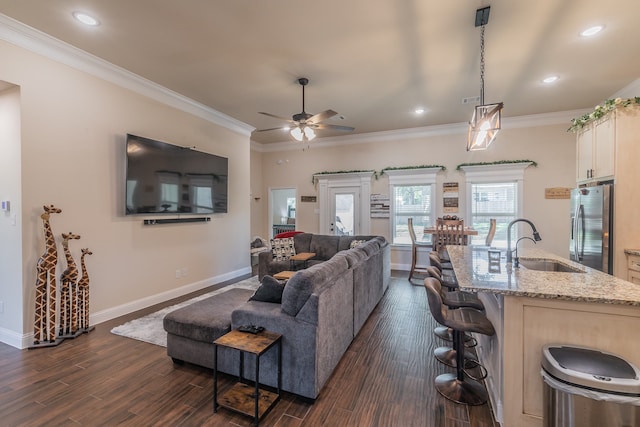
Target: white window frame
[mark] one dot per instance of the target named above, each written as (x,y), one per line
(487,174)
(399,177)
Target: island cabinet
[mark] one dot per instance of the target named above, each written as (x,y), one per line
(608,149)
(531,308)
(633,258)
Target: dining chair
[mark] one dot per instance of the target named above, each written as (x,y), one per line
(414,251)
(448,232)
(492,232)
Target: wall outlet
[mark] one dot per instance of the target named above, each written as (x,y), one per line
(178,273)
(1,306)
(185,271)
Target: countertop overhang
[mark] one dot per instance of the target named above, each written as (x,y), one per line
(475,274)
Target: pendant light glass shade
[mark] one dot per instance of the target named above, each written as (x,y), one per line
(303,133)
(484,126)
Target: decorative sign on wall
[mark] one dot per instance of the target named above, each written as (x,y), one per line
(308,199)
(450,197)
(380,206)
(557,193)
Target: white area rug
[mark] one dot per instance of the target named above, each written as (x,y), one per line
(149,328)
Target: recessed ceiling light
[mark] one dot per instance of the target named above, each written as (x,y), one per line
(550,79)
(592,31)
(86,19)
(419,111)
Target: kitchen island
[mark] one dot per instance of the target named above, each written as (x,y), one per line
(530,307)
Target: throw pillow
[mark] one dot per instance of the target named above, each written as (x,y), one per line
(355,243)
(270,290)
(282,249)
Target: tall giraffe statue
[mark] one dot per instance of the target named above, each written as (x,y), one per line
(83,293)
(68,279)
(45,322)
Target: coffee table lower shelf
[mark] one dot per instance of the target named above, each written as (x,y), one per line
(242,398)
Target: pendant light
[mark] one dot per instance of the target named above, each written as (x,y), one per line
(485,122)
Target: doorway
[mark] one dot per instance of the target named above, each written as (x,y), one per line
(282,210)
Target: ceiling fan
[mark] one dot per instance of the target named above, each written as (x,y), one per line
(304,125)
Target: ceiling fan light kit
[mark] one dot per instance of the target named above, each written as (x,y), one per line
(304,125)
(485,122)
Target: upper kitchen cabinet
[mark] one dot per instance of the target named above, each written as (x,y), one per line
(603,143)
(596,150)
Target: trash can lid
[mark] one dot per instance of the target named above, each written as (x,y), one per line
(591,368)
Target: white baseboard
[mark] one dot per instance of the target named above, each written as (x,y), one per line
(121,310)
(401,267)
(14,339)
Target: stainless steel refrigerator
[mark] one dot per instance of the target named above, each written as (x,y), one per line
(592,227)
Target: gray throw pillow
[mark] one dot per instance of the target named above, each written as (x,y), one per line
(269,291)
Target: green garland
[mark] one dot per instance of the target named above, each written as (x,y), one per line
(600,111)
(412,167)
(499,162)
(313,178)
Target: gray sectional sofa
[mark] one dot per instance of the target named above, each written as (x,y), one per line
(323,308)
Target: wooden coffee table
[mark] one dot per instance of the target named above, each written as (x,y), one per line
(242,397)
(300,259)
(284,275)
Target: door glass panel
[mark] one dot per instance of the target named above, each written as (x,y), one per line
(345,214)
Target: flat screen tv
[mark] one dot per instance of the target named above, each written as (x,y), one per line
(162,178)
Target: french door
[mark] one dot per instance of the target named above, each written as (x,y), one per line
(344,211)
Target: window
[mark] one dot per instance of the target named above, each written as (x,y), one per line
(411,201)
(412,196)
(494,191)
(497,200)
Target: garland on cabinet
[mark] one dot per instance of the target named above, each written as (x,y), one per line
(600,111)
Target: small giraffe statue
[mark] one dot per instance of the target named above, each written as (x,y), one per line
(68,279)
(83,293)
(45,322)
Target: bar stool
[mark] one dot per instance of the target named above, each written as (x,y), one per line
(448,277)
(454,386)
(453,300)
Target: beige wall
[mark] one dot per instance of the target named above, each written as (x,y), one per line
(550,146)
(72,145)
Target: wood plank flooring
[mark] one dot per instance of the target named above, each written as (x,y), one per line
(384,379)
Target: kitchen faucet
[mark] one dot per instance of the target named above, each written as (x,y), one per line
(536,237)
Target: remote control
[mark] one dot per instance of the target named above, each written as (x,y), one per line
(252,329)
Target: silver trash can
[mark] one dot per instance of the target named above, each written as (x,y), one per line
(585,387)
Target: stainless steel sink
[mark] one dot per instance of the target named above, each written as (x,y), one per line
(548,265)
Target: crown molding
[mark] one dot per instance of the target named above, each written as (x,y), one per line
(36,41)
(535,120)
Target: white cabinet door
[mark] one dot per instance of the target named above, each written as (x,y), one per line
(604,148)
(584,154)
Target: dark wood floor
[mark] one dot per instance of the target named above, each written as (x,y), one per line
(384,379)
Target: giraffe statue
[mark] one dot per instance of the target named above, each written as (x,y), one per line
(68,279)
(45,322)
(83,293)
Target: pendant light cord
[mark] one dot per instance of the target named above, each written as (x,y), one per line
(482,65)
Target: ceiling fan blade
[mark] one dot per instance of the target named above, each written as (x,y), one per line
(274,116)
(324,126)
(317,118)
(266,130)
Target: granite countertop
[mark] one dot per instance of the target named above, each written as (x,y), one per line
(632,251)
(473,272)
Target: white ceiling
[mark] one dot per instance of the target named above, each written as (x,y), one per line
(372,61)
